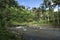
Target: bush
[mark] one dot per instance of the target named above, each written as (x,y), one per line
(5,35)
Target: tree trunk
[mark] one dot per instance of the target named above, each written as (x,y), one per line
(58,15)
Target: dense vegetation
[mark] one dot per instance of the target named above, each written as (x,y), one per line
(13,14)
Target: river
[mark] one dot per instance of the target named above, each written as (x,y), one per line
(38,33)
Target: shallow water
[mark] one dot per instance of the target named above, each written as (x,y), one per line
(33,33)
(42,34)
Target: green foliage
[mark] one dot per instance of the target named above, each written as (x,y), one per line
(5,35)
(5,20)
(13,14)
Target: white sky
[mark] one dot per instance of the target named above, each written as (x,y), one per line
(56,9)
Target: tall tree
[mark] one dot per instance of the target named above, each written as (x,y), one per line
(57,3)
(5,6)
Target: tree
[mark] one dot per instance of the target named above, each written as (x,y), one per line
(57,3)
(5,18)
